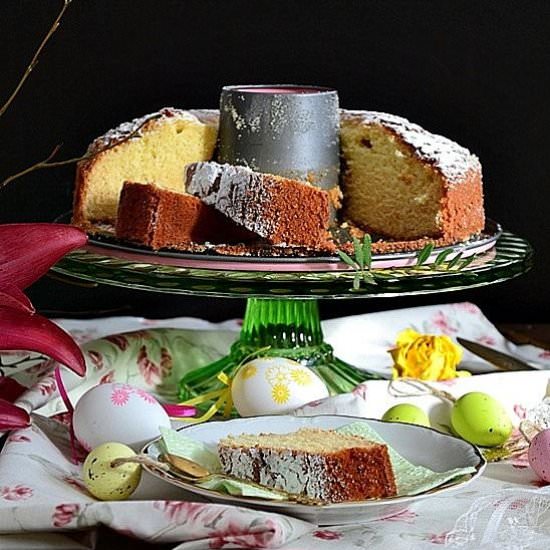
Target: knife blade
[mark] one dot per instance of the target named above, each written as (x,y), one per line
(497,358)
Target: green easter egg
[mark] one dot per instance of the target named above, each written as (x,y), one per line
(405,412)
(480,419)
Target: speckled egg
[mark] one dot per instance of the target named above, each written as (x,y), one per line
(539,455)
(118,412)
(480,419)
(105,481)
(405,412)
(274,385)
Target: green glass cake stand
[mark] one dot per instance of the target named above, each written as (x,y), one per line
(282,312)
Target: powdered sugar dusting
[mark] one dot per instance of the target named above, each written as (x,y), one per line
(289,471)
(451,159)
(230,189)
(208,117)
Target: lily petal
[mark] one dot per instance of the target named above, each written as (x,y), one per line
(10,389)
(12,417)
(11,296)
(20,330)
(28,250)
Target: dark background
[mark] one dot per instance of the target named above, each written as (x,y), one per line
(476,71)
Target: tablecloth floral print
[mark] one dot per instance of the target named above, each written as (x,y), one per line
(41,488)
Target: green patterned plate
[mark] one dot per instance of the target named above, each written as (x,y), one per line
(511,257)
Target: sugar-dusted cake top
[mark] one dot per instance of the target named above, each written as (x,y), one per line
(450,158)
(309,440)
(208,117)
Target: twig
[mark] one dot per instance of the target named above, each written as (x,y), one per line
(420,387)
(34,60)
(140,459)
(46,163)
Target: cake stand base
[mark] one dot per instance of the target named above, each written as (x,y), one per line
(278,328)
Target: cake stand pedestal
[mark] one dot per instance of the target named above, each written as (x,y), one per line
(282,312)
(282,328)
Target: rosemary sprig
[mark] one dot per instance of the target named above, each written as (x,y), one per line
(361,262)
(424,254)
(440,263)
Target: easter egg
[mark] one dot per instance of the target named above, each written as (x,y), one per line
(108,482)
(480,419)
(274,385)
(539,454)
(118,412)
(405,412)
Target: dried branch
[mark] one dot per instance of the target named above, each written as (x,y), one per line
(48,163)
(34,60)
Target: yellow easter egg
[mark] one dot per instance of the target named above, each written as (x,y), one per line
(274,385)
(105,481)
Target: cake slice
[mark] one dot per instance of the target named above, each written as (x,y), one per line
(281,210)
(160,218)
(154,148)
(320,464)
(403,182)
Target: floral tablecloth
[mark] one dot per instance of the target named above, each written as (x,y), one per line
(41,490)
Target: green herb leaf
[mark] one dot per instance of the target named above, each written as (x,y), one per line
(357,281)
(367,250)
(454,261)
(442,256)
(467,261)
(346,259)
(424,254)
(369,278)
(359,256)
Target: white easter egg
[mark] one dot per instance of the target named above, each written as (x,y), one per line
(274,385)
(118,412)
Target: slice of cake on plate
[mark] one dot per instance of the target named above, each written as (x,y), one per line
(158,152)
(320,464)
(280,210)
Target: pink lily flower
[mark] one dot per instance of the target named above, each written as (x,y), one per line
(27,251)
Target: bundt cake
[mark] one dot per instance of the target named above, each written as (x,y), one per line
(281,210)
(154,148)
(161,218)
(400,183)
(404,183)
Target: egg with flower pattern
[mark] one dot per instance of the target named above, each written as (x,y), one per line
(118,412)
(274,385)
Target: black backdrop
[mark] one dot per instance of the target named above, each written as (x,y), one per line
(474,70)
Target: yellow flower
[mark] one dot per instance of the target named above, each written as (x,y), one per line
(301,377)
(280,393)
(277,374)
(249,371)
(426,357)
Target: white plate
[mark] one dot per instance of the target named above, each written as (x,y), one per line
(421,446)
